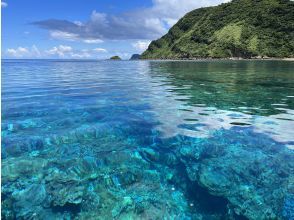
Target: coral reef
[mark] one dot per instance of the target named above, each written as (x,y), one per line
(73,179)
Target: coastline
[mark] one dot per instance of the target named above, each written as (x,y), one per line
(220,59)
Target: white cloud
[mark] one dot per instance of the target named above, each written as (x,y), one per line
(18,52)
(176,8)
(24,52)
(63,51)
(4,4)
(60,50)
(141,45)
(170,21)
(61,35)
(100,50)
(82,55)
(79,23)
(93,41)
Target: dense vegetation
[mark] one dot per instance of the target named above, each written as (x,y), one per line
(241,28)
(115,58)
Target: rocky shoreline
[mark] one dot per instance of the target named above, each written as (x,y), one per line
(220,59)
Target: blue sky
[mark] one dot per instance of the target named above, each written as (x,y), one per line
(87,29)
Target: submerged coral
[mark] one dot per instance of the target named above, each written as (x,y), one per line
(158,182)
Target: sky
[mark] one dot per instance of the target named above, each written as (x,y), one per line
(87,29)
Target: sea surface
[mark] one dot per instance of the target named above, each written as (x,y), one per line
(147,139)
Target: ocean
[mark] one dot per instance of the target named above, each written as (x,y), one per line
(87,139)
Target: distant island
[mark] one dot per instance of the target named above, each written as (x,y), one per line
(135,57)
(240,29)
(115,58)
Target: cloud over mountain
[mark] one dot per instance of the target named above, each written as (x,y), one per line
(145,24)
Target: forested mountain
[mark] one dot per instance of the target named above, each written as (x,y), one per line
(241,28)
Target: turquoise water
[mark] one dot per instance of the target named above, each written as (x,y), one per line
(147,139)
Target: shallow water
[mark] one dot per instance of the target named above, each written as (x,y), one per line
(147,139)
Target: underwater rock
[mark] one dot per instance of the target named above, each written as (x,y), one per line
(150,154)
(127,201)
(288,208)
(85,132)
(191,150)
(126,159)
(29,123)
(80,134)
(7,208)
(68,151)
(254,179)
(84,168)
(254,182)
(19,167)
(84,176)
(93,200)
(192,171)
(127,178)
(66,187)
(152,176)
(36,144)
(18,147)
(123,206)
(170,159)
(23,125)
(87,187)
(28,201)
(11,148)
(69,194)
(34,194)
(188,152)
(214,179)
(212,150)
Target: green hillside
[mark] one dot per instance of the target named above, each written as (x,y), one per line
(241,28)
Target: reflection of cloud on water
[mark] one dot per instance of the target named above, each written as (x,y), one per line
(177,117)
(280,127)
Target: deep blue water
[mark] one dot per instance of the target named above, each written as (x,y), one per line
(147,139)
